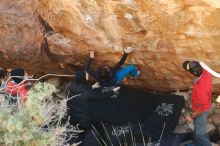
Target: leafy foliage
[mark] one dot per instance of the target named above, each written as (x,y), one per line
(37,123)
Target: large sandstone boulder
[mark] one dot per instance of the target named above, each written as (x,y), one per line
(55,36)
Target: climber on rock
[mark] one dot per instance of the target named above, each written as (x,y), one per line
(107,76)
(201,101)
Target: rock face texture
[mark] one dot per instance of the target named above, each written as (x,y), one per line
(55,36)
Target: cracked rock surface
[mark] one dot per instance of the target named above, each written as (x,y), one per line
(55,36)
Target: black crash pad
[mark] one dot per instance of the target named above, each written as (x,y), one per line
(133,109)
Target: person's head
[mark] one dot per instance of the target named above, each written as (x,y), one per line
(3,74)
(19,72)
(81,77)
(193,67)
(104,73)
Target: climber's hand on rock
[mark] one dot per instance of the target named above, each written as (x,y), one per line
(92,54)
(128,49)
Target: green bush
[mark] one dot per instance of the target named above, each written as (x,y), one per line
(38,123)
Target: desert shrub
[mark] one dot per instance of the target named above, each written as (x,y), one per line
(37,123)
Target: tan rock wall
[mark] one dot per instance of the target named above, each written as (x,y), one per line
(49,35)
